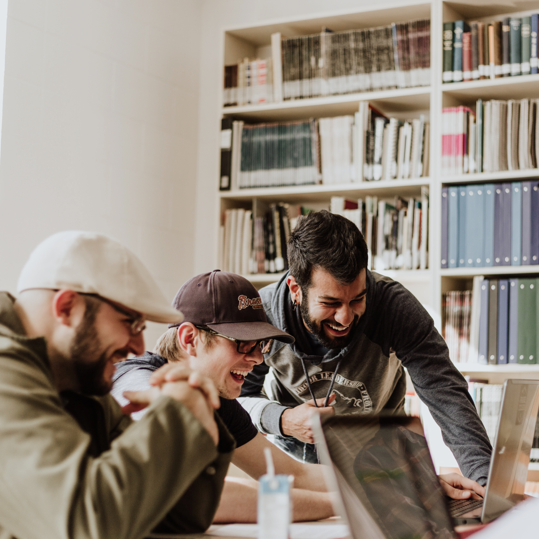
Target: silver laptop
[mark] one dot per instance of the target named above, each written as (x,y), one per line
(382,469)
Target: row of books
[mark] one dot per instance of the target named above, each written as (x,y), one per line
(329,63)
(396,233)
(498,136)
(257,244)
(488,225)
(487,398)
(494,324)
(368,146)
(249,82)
(482,50)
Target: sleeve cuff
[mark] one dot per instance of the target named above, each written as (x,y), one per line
(270,419)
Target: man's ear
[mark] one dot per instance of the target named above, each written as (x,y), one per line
(295,289)
(68,307)
(188,336)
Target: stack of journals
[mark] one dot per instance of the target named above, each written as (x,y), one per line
(364,147)
(457,307)
(481,50)
(490,225)
(396,233)
(499,136)
(248,83)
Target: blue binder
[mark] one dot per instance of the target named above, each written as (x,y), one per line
(453,241)
(502,225)
(535,222)
(516,223)
(526,223)
(483,324)
(489,224)
(503,327)
(462,228)
(471,225)
(513,321)
(445,227)
(477,233)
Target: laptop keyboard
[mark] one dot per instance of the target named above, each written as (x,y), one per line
(460,507)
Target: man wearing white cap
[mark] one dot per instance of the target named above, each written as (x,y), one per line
(70,466)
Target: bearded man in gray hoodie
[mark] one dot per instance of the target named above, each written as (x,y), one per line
(355,331)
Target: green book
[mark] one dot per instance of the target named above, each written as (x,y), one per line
(525,45)
(447,75)
(514,46)
(527,322)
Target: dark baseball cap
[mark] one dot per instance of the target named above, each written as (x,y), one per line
(228,304)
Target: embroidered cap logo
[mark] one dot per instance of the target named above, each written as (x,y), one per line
(244,302)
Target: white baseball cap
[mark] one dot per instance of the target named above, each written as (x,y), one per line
(92,263)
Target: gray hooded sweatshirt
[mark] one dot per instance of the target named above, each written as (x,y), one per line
(395,331)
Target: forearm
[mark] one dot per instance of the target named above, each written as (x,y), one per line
(310,477)
(240,498)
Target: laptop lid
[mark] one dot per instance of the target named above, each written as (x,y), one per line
(512,447)
(384,464)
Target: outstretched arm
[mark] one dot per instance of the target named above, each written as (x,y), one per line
(240,498)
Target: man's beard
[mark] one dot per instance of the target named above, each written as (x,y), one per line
(89,360)
(316,328)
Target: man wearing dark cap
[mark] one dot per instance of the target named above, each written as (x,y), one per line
(355,331)
(222,337)
(72,464)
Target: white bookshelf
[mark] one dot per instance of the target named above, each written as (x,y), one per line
(429,284)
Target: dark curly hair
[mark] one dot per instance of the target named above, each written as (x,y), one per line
(328,241)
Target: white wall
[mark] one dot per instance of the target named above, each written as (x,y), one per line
(100,129)
(216,15)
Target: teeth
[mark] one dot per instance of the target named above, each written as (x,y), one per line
(340,328)
(240,373)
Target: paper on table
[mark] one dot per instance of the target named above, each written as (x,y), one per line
(521,522)
(297,531)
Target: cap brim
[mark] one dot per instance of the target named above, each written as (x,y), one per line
(252,331)
(168,316)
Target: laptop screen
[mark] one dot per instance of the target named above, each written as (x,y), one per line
(386,463)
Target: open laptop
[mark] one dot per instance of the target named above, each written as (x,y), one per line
(382,469)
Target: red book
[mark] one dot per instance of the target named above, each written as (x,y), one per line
(467,56)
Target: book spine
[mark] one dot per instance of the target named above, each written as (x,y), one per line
(515,54)
(226,154)
(483,323)
(498,54)
(447,75)
(458,30)
(475,51)
(462,231)
(503,323)
(481,49)
(498,226)
(493,322)
(525,34)
(472,214)
(479,231)
(534,45)
(506,58)
(535,222)
(506,229)
(445,227)
(513,321)
(526,223)
(516,223)
(491,52)
(453,210)
(489,224)
(466,56)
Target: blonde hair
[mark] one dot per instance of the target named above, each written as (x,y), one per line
(168,345)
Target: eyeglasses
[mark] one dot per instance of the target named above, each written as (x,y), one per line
(243,347)
(136,324)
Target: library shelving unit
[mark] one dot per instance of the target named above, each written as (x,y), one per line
(428,285)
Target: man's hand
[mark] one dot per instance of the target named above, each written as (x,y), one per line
(296,421)
(458,487)
(178,372)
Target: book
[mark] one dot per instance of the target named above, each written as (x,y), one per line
(513,321)
(489,224)
(506,58)
(483,339)
(527,316)
(473,354)
(474,29)
(516,223)
(277,66)
(445,227)
(534,237)
(526,255)
(503,321)
(515,46)
(493,322)
(534,48)
(467,56)
(482,53)
(525,44)
(447,75)
(453,237)
(226,154)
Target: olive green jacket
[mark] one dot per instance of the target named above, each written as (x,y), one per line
(162,473)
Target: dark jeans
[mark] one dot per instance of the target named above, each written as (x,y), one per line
(299,450)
